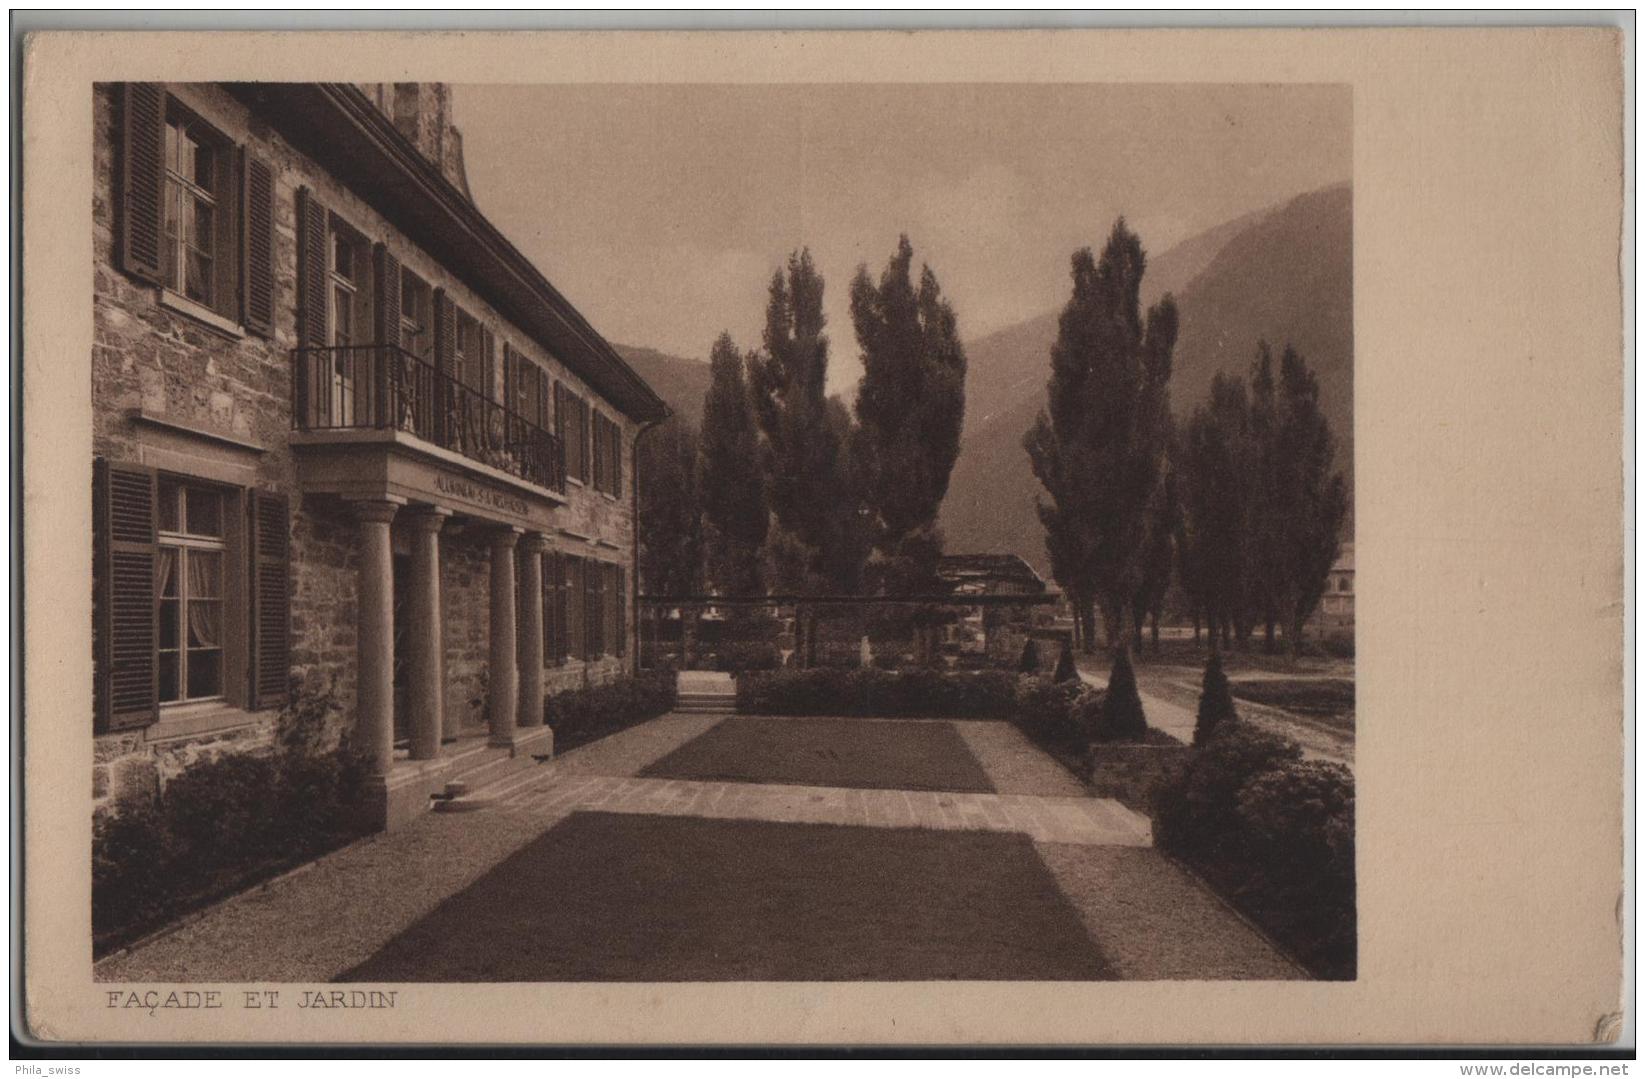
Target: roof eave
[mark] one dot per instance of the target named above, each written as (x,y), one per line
(337,125)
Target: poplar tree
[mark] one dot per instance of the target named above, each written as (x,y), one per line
(1311,498)
(1217,476)
(910,408)
(733,486)
(671,530)
(1099,447)
(802,447)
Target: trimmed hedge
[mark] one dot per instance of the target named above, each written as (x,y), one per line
(1055,715)
(1273,833)
(224,825)
(735,657)
(580,716)
(873,692)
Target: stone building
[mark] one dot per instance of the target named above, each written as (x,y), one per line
(347,438)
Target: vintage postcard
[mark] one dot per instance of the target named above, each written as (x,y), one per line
(1080,537)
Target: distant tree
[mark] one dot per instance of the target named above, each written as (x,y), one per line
(1065,541)
(1265,553)
(1157,557)
(1099,448)
(803,445)
(1216,469)
(910,408)
(1311,498)
(733,486)
(671,532)
(1216,702)
(1121,716)
(1262,506)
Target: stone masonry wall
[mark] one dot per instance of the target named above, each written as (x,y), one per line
(147,356)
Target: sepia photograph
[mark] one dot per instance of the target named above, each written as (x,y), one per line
(815,533)
(597,530)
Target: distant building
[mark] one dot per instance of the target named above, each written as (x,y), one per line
(1001,630)
(988,574)
(1336,606)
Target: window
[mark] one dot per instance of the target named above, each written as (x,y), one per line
(576,620)
(348,273)
(190,592)
(608,453)
(194,214)
(416,317)
(571,419)
(197,260)
(469,364)
(188,589)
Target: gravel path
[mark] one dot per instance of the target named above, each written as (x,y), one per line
(1153,921)
(335,912)
(1149,918)
(1013,763)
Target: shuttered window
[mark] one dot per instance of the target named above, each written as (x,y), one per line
(270,599)
(124,628)
(620,609)
(257,274)
(312,260)
(571,425)
(594,610)
(576,625)
(608,455)
(195,214)
(416,316)
(170,553)
(553,583)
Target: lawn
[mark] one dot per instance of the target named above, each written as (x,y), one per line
(1321,698)
(901,755)
(632,897)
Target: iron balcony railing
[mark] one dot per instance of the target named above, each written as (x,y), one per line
(384,387)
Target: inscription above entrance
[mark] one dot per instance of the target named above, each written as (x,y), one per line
(479,494)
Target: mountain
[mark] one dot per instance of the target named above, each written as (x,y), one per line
(1284,274)
(680,382)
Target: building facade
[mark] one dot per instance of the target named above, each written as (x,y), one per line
(347,439)
(1336,605)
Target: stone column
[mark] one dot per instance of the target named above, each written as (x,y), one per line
(424,624)
(504,676)
(374,629)
(531,629)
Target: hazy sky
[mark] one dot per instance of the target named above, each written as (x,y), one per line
(661,211)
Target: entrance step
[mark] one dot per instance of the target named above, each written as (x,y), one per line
(463,770)
(699,702)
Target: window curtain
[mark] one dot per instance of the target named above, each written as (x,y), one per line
(205,615)
(164,572)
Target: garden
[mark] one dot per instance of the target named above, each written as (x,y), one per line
(235,821)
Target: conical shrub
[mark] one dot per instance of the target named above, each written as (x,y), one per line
(1030,661)
(1065,671)
(1122,718)
(1216,702)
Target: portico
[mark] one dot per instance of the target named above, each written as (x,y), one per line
(408,496)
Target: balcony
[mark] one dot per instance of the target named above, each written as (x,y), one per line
(383,388)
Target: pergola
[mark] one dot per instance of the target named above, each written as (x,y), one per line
(804,610)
